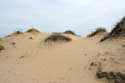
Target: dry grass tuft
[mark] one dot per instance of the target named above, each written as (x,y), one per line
(32,30)
(117,77)
(69,32)
(30,37)
(15,33)
(57,38)
(2,48)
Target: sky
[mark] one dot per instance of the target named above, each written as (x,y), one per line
(81,16)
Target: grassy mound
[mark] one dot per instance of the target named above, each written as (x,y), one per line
(57,38)
(69,32)
(32,30)
(97,31)
(117,31)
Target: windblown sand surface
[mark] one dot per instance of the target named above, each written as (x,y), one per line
(27,59)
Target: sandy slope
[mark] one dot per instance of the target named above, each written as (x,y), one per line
(33,61)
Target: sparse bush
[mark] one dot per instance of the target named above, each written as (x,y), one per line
(32,30)
(97,31)
(2,48)
(69,32)
(57,37)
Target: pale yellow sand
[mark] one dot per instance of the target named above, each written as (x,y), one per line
(32,61)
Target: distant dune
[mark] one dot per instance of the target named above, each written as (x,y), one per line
(28,57)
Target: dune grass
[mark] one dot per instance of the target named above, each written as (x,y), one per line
(57,38)
(32,30)
(69,32)
(117,31)
(97,31)
(15,33)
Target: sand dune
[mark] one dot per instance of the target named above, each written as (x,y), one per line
(28,59)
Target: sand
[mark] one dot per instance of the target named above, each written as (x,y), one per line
(27,59)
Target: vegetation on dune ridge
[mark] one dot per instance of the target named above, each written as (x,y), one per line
(57,37)
(32,30)
(15,33)
(117,31)
(97,31)
(69,32)
(66,32)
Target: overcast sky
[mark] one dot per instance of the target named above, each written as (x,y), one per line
(81,16)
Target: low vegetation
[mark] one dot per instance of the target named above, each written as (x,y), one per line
(57,37)
(32,30)
(15,33)
(117,31)
(30,37)
(18,32)
(116,77)
(21,57)
(97,31)
(2,47)
(69,32)
(13,43)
